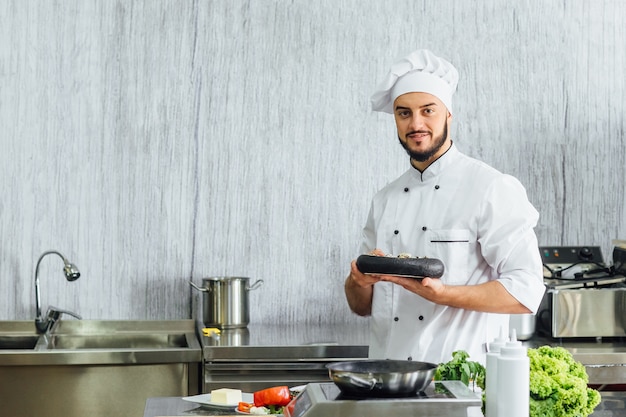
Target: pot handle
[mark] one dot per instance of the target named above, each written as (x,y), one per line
(199,288)
(368,383)
(256,285)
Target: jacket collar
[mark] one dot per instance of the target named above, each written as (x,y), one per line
(448,158)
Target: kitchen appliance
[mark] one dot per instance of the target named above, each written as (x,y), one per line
(445,398)
(226,301)
(571,262)
(560,263)
(594,307)
(588,299)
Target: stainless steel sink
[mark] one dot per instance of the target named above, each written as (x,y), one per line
(18,335)
(74,342)
(118,341)
(12,342)
(96,360)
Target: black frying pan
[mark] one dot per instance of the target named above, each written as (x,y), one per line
(404,267)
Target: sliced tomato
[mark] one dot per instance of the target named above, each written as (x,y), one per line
(244,407)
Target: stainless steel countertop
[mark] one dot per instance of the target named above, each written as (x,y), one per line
(287,342)
(613,404)
(604,359)
(607,351)
(292,334)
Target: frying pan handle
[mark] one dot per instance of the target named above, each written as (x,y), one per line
(368,383)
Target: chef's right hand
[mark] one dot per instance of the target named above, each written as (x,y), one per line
(362,280)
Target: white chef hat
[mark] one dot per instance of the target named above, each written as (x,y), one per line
(418,72)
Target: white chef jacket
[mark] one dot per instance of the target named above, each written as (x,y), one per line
(479,222)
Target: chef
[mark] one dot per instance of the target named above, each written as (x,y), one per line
(448,206)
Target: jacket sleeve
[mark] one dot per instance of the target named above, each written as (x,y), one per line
(508,241)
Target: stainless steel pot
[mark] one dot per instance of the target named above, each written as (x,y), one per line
(225,301)
(524,325)
(381,378)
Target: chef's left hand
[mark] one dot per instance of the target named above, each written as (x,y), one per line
(428,288)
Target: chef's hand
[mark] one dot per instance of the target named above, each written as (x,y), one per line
(363,280)
(360,279)
(431,289)
(359,288)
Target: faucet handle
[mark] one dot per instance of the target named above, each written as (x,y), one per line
(52,318)
(54,313)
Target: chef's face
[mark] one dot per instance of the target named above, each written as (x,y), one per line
(422,122)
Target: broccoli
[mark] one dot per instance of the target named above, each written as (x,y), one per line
(558,384)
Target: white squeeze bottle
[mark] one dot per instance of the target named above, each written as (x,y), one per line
(513,379)
(491,378)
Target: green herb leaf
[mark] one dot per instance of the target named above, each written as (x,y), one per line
(460,369)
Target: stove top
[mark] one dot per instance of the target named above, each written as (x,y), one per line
(332,393)
(448,398)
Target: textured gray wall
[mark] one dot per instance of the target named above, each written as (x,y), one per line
(153,142)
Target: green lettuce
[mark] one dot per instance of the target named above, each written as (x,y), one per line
(558,384)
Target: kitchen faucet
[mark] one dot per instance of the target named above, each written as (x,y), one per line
(71,273)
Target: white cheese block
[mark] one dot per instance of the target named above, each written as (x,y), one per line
(226,396)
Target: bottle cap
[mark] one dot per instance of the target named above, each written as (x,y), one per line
(498,343)
(513,347)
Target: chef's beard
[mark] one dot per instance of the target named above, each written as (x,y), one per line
(426,155)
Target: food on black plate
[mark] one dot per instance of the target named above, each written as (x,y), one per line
(403,265)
